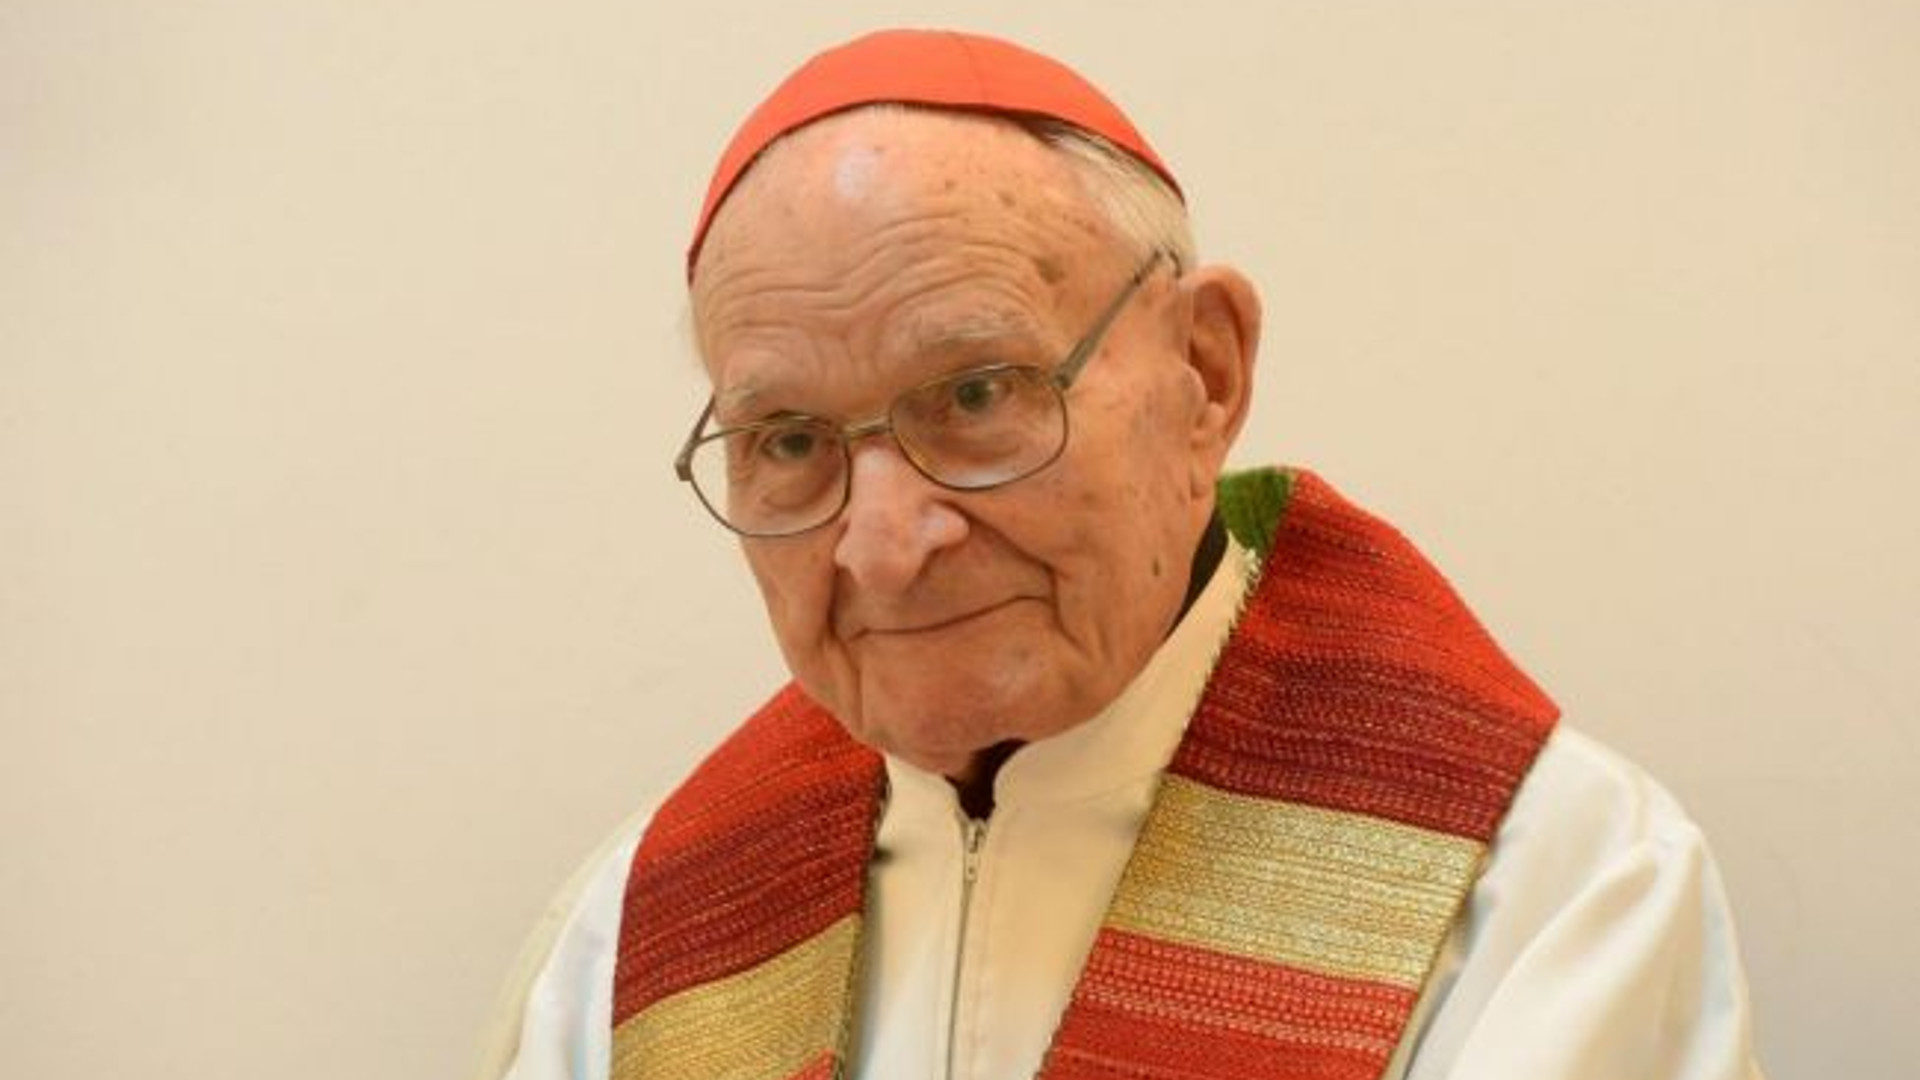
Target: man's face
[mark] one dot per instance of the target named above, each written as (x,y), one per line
(874,251)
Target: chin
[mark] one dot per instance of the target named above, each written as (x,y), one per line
(935,737)
(925,708)
(935,741)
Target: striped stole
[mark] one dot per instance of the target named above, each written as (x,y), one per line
(1311,843)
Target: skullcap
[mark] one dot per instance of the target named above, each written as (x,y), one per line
(942,69)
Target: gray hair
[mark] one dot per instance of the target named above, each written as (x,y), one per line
(1138,203)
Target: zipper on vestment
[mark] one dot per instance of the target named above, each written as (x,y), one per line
(973,833)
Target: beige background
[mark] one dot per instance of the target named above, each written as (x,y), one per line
(346,596)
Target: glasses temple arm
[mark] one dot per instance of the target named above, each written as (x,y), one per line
(683,461)
(1069,368)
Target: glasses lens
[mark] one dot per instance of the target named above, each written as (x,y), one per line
(772,478)
(982,427)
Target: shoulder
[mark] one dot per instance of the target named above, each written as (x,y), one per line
(552,1015)
(1583,798)
(1598,941)
(1589,834)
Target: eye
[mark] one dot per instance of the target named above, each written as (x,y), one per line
(789,444)
(980,392)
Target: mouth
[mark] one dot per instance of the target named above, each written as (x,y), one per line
(932,626)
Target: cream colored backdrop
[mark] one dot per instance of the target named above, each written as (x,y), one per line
(346,596)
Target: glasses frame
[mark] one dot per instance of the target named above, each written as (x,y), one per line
(1060,378)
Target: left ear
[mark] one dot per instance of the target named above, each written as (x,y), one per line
(1223,336)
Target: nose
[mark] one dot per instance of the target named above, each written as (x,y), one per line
(896,521)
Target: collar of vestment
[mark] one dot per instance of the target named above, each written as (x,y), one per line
(1312,840)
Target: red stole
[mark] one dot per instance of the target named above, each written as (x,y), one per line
(1312,841)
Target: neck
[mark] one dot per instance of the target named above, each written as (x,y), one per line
(975,784)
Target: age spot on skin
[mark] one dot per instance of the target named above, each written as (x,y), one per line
(1050,270)
(1089,225)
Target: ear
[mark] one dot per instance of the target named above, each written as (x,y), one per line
(1223,336)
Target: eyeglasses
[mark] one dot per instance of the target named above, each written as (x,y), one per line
(969,431)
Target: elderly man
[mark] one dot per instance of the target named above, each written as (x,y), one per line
(1096,763)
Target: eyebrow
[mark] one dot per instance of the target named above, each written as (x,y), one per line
(737,400)
(940,348)
(927,343)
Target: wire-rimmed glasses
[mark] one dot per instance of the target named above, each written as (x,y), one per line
(968,431)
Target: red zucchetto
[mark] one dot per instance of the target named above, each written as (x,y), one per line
(936,68)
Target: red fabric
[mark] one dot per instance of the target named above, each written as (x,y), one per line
(1355,681)
(765,846)
(820,1068)
(1147,1008)
(1360,682)
(940,68)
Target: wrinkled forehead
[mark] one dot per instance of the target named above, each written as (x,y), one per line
(899,216)
(858,176)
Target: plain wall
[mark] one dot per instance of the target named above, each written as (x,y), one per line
(346,595)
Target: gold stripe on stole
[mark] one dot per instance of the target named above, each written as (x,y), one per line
(764,1023)
(1334,893)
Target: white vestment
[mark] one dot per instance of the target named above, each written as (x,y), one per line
(1596,946)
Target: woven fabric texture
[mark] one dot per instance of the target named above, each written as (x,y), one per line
(1315,837)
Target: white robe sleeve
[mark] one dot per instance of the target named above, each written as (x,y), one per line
(555,1013)
(1598,945)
